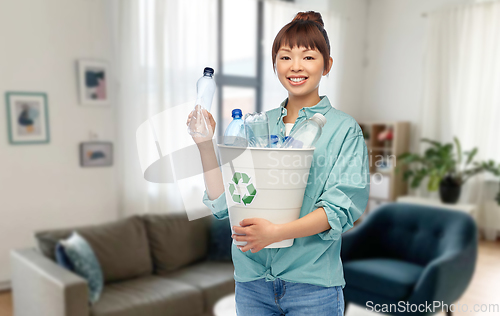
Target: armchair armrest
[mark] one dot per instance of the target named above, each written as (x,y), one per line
(41,287)
(446,278)
(356,240)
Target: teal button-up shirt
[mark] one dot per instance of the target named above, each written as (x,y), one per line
(338,181)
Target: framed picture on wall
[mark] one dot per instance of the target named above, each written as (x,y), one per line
(96,154)
(93,76)
(27,117)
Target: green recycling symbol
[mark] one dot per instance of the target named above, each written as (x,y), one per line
(240,178)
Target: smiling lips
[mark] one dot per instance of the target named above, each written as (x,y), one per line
(297,81)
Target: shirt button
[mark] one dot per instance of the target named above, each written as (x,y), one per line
(213,205)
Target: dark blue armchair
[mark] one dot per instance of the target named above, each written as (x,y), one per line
(404,254)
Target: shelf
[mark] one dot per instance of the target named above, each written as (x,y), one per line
(378,123)
(380,148)
(386,172)
(391,184)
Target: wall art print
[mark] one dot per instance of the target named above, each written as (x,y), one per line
(93,78)
(27,117)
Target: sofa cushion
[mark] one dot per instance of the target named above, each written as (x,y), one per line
(121,247)
(220,243)
(175,241)
(85,263)
(214,279)
(388,277)
(62,258)
(149,296)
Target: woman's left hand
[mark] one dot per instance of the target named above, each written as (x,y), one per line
(259,233)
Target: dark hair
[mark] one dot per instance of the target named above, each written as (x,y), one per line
(305,30)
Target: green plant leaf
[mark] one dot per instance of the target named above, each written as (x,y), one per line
(470,155)
(448,149)
(433,184)
(433,142)
(459,150)
(407,174)
(415,183)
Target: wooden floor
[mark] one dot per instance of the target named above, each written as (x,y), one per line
(5,304)
(485,285)
(484,288)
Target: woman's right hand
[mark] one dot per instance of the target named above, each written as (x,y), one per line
(200,140)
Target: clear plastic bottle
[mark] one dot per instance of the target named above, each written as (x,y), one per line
(235,131)
(257,129)
(276,141)
(205,89)
(307,133)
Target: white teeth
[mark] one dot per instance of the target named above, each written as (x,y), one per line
(297,79)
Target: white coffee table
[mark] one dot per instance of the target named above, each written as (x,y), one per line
(226,306)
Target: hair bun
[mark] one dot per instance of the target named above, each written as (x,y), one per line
(309,16)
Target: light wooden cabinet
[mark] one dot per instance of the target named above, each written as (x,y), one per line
(385,184)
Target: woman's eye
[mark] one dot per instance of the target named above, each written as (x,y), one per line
(286,58)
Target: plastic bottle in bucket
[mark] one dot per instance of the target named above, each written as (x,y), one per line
(205,89)
(276,141)
(307,133)
(235,131)
(257,130)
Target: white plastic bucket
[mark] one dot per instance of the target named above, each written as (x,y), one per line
(265,183)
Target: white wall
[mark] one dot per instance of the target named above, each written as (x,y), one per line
(395,36)
(43,186)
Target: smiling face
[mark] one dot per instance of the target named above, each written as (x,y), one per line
(300,70)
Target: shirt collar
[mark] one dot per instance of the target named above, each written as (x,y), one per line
(322,107)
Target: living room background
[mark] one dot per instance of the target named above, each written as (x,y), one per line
(379,43)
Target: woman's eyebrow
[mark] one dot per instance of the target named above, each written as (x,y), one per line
(288,50)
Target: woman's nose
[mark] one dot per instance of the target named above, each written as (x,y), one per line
(296,65)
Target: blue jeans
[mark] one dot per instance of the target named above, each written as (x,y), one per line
(266,298)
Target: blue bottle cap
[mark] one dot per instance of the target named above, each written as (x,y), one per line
(208,70)
(236,112)
(274,139)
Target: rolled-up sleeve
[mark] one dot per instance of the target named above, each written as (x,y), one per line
(217,206)
(345,195)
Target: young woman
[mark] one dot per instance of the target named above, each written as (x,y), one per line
(306,278)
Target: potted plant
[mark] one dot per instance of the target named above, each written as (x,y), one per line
(445,167)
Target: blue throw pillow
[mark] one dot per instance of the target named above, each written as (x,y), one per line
(220,240)
(85,263)
(62,258)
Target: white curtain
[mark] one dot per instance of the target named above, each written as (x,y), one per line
(161,48)
(461,94)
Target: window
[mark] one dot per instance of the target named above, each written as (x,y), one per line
(239,79)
